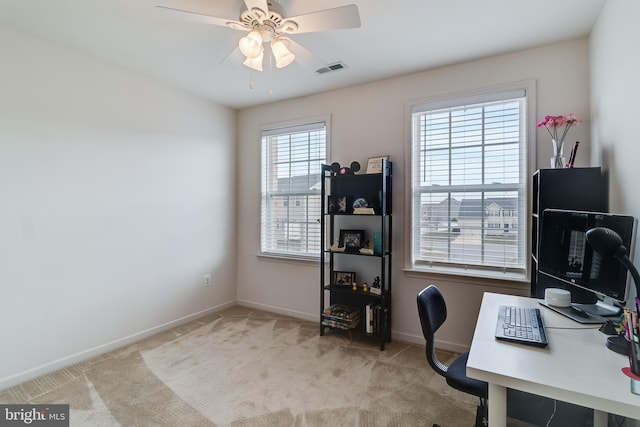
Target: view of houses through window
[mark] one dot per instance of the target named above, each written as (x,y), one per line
(469,184)
(291,173)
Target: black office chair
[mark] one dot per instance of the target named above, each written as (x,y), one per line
(433,312)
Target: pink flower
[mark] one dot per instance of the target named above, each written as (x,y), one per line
(552,123)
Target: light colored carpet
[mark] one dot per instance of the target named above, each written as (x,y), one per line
(245,368)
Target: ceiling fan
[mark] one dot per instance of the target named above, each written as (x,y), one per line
(266,22)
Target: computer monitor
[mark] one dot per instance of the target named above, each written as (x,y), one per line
(565,255)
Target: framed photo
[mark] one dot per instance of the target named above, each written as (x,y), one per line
(331,204)
(374,165)
(344,278)
(341,204)
(351,240)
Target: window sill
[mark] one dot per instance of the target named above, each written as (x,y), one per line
(290,259)
(511,280)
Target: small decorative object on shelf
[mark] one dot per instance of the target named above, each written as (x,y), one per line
(361,207)
(367,250)
(337,248)
(337,169)
(374,165)
(375,286)
(365,287)
(377,243)
(551,124)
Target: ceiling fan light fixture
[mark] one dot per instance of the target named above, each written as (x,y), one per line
(254,63)
(251,44)
(282,54)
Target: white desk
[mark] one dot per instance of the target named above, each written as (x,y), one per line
(576,367)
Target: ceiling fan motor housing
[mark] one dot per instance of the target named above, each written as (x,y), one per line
(271,23)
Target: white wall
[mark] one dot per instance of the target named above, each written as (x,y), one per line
(369,120)
(117,195)
(615,67)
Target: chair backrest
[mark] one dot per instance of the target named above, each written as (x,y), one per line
(433,312)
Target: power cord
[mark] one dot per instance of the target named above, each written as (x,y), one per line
(555,406)
(562,327)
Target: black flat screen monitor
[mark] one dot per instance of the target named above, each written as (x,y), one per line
(565,255)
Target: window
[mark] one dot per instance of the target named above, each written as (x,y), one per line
(469,184)
(291,171)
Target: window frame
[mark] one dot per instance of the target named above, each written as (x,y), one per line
(450,100)
(270,130)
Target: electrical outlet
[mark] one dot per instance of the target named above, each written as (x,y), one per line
(207,280)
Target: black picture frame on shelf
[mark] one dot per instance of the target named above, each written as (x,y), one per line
(351,240)
(346,278)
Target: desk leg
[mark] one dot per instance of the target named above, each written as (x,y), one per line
(497,405)
(600,418)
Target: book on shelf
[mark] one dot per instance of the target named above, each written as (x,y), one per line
(341,316)
(375,318)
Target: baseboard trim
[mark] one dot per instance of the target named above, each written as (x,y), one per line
(72,359)
(280,310)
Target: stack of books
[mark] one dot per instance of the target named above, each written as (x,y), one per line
(341,316)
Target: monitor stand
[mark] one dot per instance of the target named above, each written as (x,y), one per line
(600,308)
(576,313)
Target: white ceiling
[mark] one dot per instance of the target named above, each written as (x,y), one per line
(396,37)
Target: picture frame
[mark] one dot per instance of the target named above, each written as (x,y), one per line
(331,204)
(351,240)
(341,204)
(346,278)
(374,164)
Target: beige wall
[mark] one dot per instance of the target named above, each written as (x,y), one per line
(615,70)
(370,120)
(117,195)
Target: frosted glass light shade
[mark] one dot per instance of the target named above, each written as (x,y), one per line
(283,56)
(251,45)
(255,63)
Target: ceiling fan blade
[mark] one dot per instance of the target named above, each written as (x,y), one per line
(233,53)
(202,18)
(304,56)
(338,18)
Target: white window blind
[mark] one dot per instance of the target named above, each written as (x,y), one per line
(469,182)
(291,173)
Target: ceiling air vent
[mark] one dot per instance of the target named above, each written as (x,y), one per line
(331,67)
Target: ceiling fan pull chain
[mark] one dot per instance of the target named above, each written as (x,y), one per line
(270,72)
